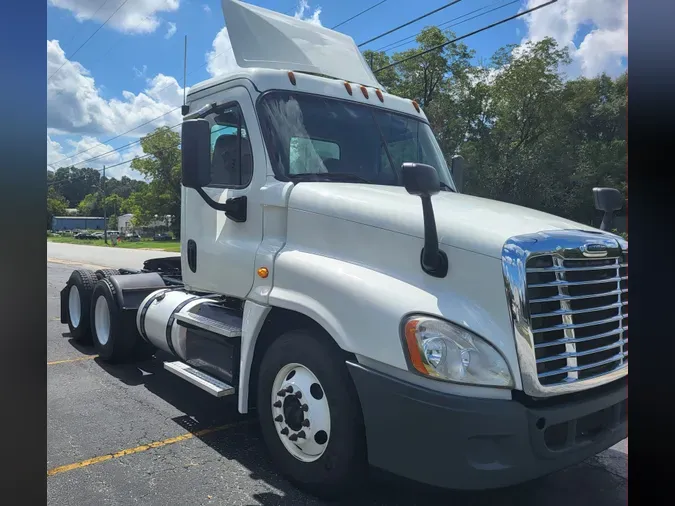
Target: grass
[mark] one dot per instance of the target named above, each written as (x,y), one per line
(172,246)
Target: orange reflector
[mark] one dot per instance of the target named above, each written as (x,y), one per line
(413,348)
(291,77)
(263,272)
(348,87)
(417,106)
(379,95)
(364,90)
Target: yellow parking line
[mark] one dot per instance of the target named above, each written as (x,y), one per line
(142,448)
(88,357)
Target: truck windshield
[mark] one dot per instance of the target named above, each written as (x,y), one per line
(320,138)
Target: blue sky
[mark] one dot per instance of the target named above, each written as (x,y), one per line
(130,71)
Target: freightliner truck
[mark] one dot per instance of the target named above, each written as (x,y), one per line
(335,279)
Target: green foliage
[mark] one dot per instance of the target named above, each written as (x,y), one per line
(56,205)
(530,136)
(161,196)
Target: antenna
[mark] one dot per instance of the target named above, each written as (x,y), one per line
(184,109)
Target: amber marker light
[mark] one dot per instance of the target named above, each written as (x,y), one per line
(291,78)
(263,272)
(416,105)
(413,347)
(379,95)
(348,87)
(364,90)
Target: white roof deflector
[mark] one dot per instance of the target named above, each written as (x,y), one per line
(262,38)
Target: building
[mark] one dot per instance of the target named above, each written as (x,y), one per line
(124,224)
(77,223)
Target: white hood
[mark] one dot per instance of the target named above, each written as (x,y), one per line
(463,221)
(262,38)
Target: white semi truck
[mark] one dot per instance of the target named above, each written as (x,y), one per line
(335,280)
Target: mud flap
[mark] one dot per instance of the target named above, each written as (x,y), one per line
(64,304)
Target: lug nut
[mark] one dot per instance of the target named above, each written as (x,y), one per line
(293,437)
(289,389)
(277,404)
(301,434)
(305,408)
(298,394)
(284,431)
(305,423)
(279,419)
(281,393)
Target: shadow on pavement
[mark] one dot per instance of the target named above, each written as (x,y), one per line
(598,482)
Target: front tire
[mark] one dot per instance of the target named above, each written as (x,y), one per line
(80,288)
(310,415)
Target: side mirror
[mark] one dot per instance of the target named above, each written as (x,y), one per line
(607,200)
(422,180)
(457,167)
(196,153)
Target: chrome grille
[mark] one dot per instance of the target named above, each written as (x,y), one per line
(567,292)
(579,316)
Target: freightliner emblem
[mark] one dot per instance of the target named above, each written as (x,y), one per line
(594,250)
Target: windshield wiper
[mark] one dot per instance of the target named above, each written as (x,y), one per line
(330,176)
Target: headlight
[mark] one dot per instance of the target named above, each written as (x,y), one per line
(448,352)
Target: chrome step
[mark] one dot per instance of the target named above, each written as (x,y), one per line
(231,328)
(200,379)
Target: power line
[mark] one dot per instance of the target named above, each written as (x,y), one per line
(113,138)
(405,40)
(92,17)
(450,4)
(440,46)
(358,14)
(88,39)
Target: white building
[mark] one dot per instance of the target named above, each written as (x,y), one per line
(124,223)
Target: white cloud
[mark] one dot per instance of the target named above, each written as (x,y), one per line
(207,9)
(141,72)
(601,50)
(89,147)
(135,16)
(171,31)
(75,106)
(303,7)
(220,60)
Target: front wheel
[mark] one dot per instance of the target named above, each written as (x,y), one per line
(310,415)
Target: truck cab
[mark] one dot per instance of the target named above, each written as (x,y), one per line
(333,277)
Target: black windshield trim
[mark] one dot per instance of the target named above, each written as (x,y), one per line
(283,177)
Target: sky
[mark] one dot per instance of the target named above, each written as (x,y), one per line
(115,67)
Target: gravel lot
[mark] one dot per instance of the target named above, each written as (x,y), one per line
(136,434)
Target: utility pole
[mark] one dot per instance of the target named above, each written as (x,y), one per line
(105,217)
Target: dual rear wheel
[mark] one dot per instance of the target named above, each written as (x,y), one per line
(94,316)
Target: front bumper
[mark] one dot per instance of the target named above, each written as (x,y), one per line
(468,443)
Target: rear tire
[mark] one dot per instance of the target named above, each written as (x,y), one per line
(81,286)
(329,460)
(114,332)
(106,273)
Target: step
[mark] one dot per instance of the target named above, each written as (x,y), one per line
(198,378)
(231,328)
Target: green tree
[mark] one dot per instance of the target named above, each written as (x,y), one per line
(56,205)
(161,196)
(91,205)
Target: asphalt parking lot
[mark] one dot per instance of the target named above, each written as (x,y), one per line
(136,434)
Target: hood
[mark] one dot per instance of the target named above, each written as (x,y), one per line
(463,221)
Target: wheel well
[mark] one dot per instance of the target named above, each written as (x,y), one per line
(278,322)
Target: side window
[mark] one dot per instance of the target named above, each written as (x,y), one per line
(231,154)
(313,155)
